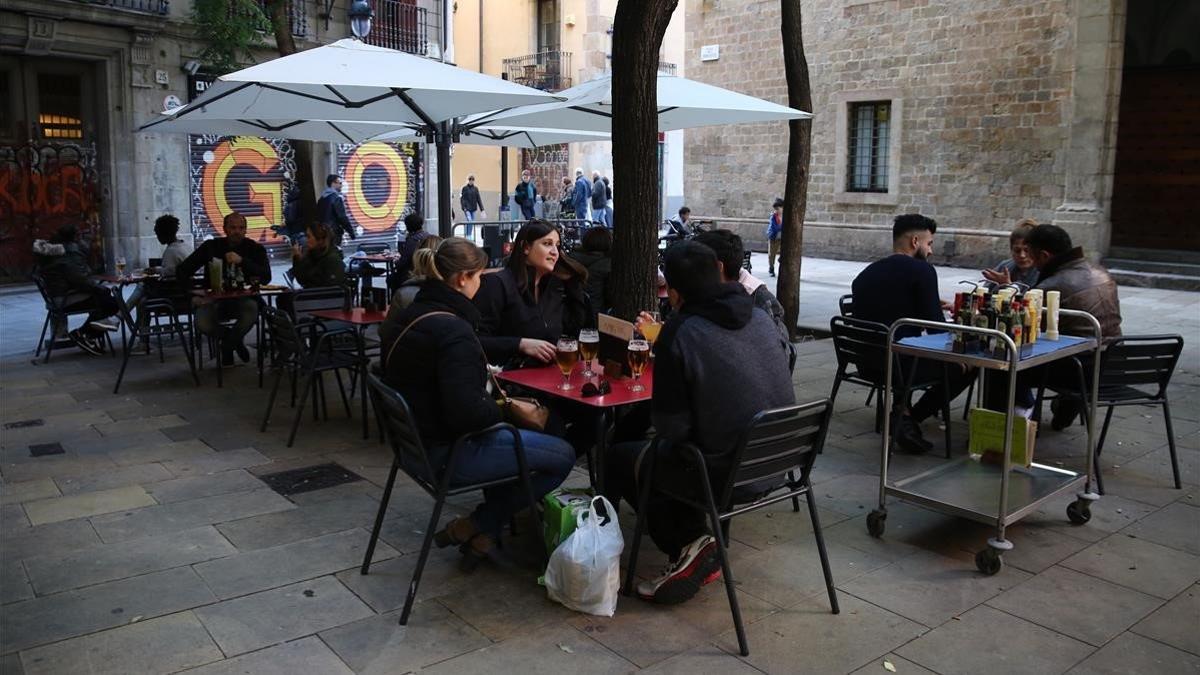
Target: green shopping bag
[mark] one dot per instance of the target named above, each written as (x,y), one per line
(561,507)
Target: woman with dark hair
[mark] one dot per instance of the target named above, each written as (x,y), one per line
(432,357)
(534,299)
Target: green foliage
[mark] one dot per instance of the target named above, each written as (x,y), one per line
(229,29)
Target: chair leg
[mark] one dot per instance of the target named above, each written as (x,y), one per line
(271,400)
(53,339)
(638,528)
(1171,442)
(879,413)
(723,553)
(42,338)
(187,351)
(946,407)
(820,536)
(342,390)
(1104,430)
(424,555)
(308,386)
(121,373)
(795,498)
(383,504)
(967,404)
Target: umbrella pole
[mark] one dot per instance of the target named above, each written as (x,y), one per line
(445,226)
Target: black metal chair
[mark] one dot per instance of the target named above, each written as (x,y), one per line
(151,312)
(776,446)
(861,351)
(1134,370)
(409,455)
(56,312)
(846,305)
(294,354)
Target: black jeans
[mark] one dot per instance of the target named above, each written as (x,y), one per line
(671,524)
(956,380)
(99,303)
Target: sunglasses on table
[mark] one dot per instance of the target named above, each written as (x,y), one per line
(590,389)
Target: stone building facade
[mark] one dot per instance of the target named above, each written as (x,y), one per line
(993,111)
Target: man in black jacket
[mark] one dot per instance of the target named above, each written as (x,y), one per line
(599,198)
(525,195)
(471,204)
(331,210)
(63,263)
(232,249)
(707,388)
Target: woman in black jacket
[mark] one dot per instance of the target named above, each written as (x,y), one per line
(432,356)
(536,298)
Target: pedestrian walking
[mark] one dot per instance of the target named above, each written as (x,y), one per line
(608,206)
(599,197)
(525,195)
(774,235)
(581,197)
(471,204)
(331,210)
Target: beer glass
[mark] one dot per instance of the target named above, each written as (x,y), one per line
(566,355)
(639,354)
(589,347)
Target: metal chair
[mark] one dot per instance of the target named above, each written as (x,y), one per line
(861,351)
(292,353)
(410,455)
(846,305)
(775,446)
(1134,370)
(151,311)
(57,311)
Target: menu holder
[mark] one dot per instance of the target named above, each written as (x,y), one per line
(615,335)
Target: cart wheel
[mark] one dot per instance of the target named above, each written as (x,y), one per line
(1079,511)
(989,561)
(876,521)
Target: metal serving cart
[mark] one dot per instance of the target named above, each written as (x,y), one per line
(988,493)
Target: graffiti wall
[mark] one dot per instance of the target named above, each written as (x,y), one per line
(547,166)
(246,174)
(42,187)
(382,184)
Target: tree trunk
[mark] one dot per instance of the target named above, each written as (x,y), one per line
(795,196)
(277,12)
(638,30)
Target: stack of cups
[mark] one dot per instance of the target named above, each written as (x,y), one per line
(1052,299)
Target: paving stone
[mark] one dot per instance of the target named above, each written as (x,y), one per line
(53,573)
(1037,546)
(217,461)
(58,466)
(1175,525)
(785,574)
(1132,653)
(10,664)
(902,665)
(931,588)
(166,518)
(270,567)
(198,487)
(122,477)
(1158,464)
(1109,514)
(385,587)
(308,655)
(1138,564)
(267,618)
(161,450)
(70,535)
(503,605)
(1143,488)
(379,644)
(302,522)
(1175,623)
(14,585)
(65,615)
(986,640)
(162,645)
(1084,607)
(555,650)
(126,448)
(703,659)
(13,519)
(54,425)
(30,490)
(87,504)
(778,524)
(859,634)
(141,423)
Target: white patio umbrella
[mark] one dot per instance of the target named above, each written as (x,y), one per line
(682,104)
(509,137)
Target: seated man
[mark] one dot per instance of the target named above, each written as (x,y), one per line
(680,229)
(233,249)
(707,388)
(166,230)
(63,263)
(320,263)
(904,286)
(414,225)
(730,253)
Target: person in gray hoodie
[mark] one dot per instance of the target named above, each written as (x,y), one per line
(63,265)
(718,362)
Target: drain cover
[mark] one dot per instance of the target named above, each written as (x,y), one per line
(309,478)
(43,449)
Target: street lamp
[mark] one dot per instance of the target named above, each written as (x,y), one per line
(360,18)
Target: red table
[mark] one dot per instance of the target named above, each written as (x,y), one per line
(545,380)
(361,319)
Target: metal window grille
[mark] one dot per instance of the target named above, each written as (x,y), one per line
(297,13)
(147,6)
(400,25)
(870,131)
(548,70)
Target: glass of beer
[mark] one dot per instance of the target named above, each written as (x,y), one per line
(566,355)
(121,266)
(639,355)
(651,329)
(589,347)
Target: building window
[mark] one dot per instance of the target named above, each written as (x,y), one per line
(869,144)
(547,28)
(60,106)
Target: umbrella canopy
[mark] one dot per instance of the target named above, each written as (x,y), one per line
(503,136)
(682,104)
(355,82)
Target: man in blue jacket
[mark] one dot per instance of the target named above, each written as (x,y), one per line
(581,198)
(774,235)
(331,210)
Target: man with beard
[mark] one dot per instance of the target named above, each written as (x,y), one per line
(905,286)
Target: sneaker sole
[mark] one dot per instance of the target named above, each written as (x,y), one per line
(685,584)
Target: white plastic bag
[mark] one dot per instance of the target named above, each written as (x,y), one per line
(584,573)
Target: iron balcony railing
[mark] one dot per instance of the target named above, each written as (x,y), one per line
(548,70)
(402,26)
(148,6)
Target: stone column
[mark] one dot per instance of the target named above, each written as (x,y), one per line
(1091,144)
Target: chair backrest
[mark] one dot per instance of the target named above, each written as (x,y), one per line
(862,344)
(154,262)
(1141,360)
(285,339)
(40,282)
(776,442)
(324,297)
(846,305)
(400,428)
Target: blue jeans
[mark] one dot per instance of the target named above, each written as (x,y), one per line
(549,459)
(468,228)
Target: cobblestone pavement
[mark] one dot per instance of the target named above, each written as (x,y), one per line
(137,537)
